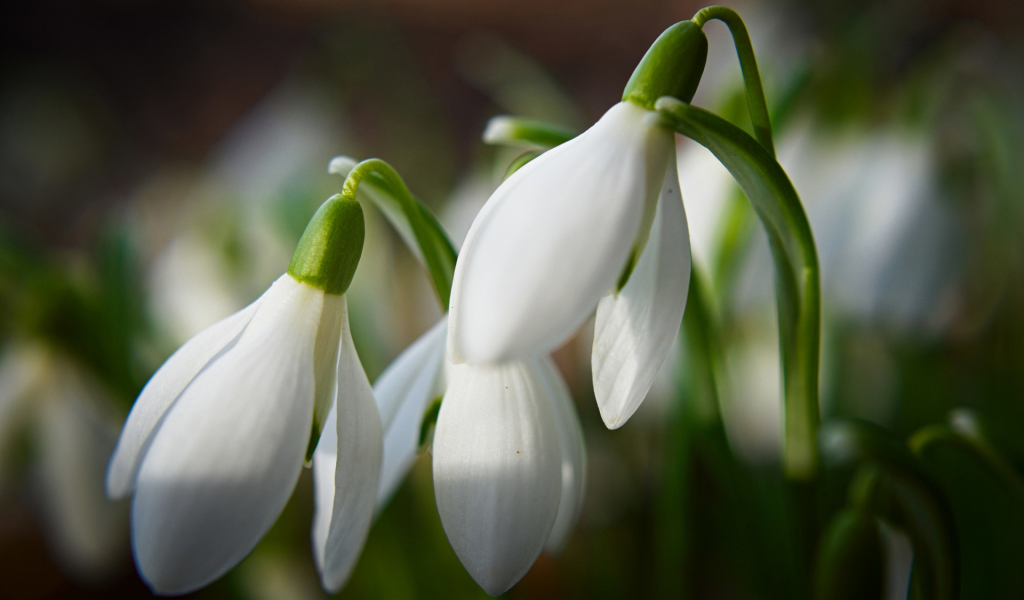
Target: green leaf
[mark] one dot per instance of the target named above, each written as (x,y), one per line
(849,565)
(912,500)
(987,498)
(797,284)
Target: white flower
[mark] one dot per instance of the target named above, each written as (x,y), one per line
(554,240)
(508,465)
(217,439)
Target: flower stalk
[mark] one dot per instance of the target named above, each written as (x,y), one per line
(398,203)
(759,117)
(798,285)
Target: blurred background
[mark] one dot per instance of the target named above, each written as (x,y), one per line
(159,160)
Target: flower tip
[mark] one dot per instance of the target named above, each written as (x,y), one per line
(341,165)
(498,130)
(162,583)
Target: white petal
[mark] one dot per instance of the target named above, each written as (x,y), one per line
(404,392)
(497,469)
(225,458)
(325,463)
(635,328)
(345,496)
(325,359)
(553,239)
(163,389)
(574,457)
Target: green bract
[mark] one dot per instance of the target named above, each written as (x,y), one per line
(672,66)
(328,253)
(504,129)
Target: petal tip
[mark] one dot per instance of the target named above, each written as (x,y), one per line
(613,420)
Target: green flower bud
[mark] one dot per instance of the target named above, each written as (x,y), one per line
(672,66)
(328,253)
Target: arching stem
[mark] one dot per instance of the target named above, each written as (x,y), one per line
(748,64)
(430,239)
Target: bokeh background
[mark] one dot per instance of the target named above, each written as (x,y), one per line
(159,160)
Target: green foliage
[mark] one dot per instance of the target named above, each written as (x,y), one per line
(987,499)
(850,559)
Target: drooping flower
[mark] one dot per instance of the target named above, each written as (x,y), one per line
(576,230)
(215,443)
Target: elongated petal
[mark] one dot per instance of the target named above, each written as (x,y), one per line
(163,389)
(404,392)
(553,239)
(635,328)
(226,457)
(325,362)
(574,456)
(346,497)
(497,469)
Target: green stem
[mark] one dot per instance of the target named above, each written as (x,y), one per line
(748,64)
(797,280)
(431,241)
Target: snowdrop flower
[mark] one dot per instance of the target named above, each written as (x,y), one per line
(215,443)
(509,467)
(596,223)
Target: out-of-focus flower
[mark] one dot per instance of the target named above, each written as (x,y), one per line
(215,443)
(74,430)
(509,467)
(554,241)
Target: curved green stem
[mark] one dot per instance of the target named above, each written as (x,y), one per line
(411,218)
(748,64)
(797,281)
